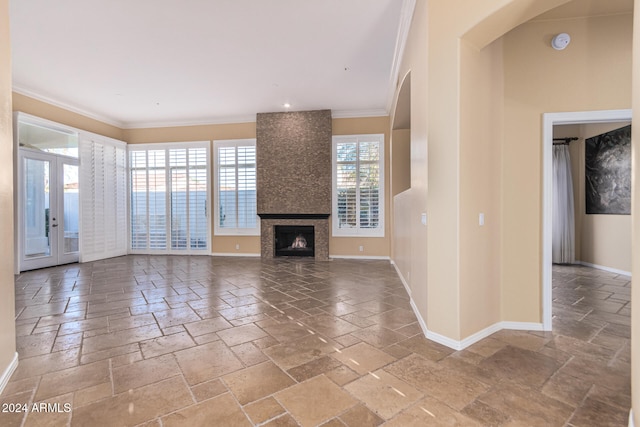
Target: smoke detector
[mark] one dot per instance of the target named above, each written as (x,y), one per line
(560,41)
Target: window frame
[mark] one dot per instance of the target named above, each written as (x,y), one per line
(358,231)
(227,231)
(166,147)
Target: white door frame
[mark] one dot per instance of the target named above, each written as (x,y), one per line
(549,120)
(56,201)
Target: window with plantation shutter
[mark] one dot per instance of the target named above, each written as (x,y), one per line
(358,185)
(169,197)
(235,184)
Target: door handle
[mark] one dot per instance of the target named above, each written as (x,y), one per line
(54,225)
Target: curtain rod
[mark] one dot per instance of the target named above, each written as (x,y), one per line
(564,140)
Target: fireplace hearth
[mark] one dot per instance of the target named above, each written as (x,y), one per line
(294,240)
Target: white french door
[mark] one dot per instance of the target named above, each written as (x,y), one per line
(48,209)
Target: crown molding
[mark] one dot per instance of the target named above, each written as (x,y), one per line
(72,108)
(197,122)
(349,114)
(406,16)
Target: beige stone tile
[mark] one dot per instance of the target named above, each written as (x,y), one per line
(55,411)
(207,362)
(135,407)
(378,336)
(484,414)
(223,409)
(40,365)
(129,322)
(241,334)
(110,353)
(296,400)
(342,375)
(285,420)
(523,366)
(34,345)
(166,344)
(209,389)
(300,351)
(17,408)
(144,372)
(263,410)
(454,388)
(426,348)
(119,338)
(363,358)
(249,354)
(428,412)
(314,368)
(256,382)
(176,316)
(92,394)
(383,393)
(287,331)
(526,405)
(65,342)
(72,379)
(329,326)
(15,386)
(360,416)
(207,326)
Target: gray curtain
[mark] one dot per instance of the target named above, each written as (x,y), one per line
(563,211)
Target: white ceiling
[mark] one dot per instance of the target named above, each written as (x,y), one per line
(137,63)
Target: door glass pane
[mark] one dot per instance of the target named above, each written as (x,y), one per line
(36,208)
(71,208)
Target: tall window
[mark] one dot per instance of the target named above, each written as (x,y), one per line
(235,184)
(358,185)
(169,197)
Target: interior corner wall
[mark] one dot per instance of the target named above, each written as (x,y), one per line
(7,290)
(539,79)
(481,87)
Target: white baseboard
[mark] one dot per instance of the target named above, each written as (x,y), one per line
(6,375)
(402,279)
(421,322)
(482,334)
(359,257)
(631,422)
(602,267)
(235,254)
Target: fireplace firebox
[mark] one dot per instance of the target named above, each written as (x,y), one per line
(294,240)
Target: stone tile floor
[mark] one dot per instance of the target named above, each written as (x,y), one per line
(170,340)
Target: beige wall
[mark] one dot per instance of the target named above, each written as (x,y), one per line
(7,302)
(480,140)
(400,160)
(635,230)
(43,110)
(603,240)
(539,79)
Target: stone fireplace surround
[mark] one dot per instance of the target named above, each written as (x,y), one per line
(320,232)
(293,153)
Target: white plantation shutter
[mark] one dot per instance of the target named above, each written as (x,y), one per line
(169,197)
(235,180)
(103,197)
(358,185)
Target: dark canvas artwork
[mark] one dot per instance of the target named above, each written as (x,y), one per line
(608,172)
